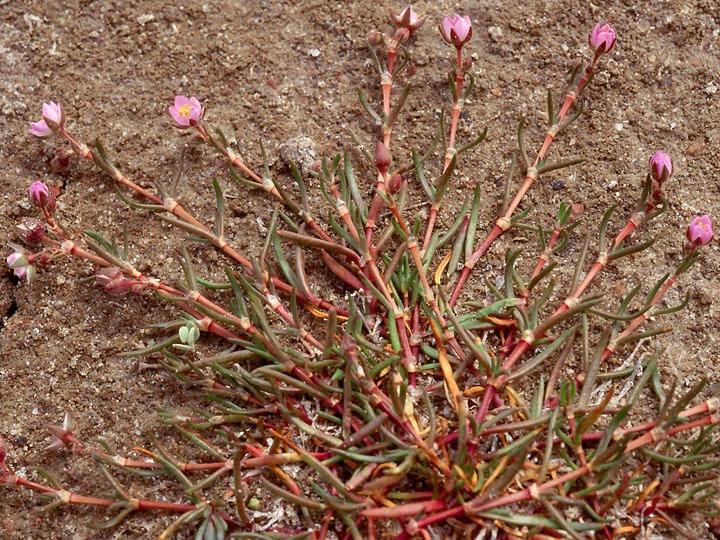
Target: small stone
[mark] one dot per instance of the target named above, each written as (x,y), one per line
(301,151)
(145,18)
(694,149)
(496,33)
(314,52)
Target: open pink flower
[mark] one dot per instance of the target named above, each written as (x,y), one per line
(186,111)
(661,167)
(52,120)
(408,19)
(456,30)
(601,39)
(700,231)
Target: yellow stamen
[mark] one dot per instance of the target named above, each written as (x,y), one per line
(184,111)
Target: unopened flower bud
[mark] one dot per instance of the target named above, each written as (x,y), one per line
(61,161)
(114,282)
(395,184)
(456,30)
(407,18)
(375,38)
(382,157)
(401,34)
(700,230)
(601,39)
(31,230)
(42,196)
(661,167)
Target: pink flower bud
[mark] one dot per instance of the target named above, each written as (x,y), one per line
(186,111)
(700,231)
(661,167)
(601,39)
(395,184)
(42,196)
(407,18)
(31,230)
(375,38)
(382,157)
(456,31)
(401,34)
(37,192)
(114,282)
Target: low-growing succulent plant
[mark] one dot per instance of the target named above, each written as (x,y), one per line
(403,408)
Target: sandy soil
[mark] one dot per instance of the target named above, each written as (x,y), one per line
(277,71)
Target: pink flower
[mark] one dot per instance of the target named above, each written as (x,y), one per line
(186,111)
(17,261)
(700,231)
(661,167)
(52,114)
(19,264)
(39,194)
(456,31)
(408,19)
(601,39)
(52,120)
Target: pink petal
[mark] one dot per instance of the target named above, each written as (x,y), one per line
(447,27)
(180,101)
(52,112)
(40,129)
